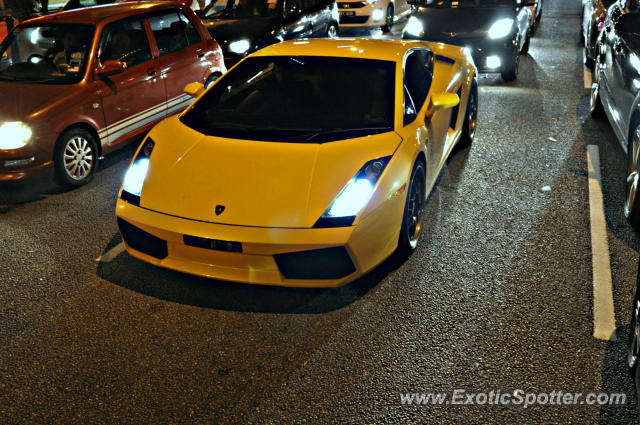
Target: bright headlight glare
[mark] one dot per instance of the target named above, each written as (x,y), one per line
(134,179)
(501,28)
(355,195)
(414,26)
(240,46)
(14,135)
(378,14)
(351,200)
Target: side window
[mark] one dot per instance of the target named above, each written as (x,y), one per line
(125,41)
(173,32)
(418,74)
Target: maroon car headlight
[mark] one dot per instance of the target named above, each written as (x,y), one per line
(14,135)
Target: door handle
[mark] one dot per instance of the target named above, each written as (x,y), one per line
(199,53)
(151,72)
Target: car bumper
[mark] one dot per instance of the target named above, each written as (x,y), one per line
(362,14)
(493,57)
(43,171)
(325,257)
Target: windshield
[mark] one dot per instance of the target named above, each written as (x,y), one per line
(233,9)
(55,53)
(467,3)
(298,99)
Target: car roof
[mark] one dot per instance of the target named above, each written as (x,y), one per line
(95,14)
(365,48)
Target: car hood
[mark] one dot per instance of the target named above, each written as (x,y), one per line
(20,106)
(263,184)
(226,31)
(448,24)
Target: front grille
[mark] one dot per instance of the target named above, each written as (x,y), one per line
(351,5)
(326,263)
(353,19)
(142,241)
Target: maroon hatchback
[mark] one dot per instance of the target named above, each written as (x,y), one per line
(78,84)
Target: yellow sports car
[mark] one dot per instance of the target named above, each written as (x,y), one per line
(307,164)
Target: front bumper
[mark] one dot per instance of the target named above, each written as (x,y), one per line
(42,171)
(265,257)
(361,14)
(484,52)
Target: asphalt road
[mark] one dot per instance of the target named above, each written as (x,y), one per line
(498,295)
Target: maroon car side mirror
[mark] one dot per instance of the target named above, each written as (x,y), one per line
(111,67)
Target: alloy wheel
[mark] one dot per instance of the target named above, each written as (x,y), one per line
(634,344)
(415,210)
(632,173)
(78,158)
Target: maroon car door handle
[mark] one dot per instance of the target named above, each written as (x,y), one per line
(200,53)
(151,72)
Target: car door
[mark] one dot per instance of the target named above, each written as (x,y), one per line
(608,84)
(523,18)
(182,55)
(417,78)
(625,65)
(134,98)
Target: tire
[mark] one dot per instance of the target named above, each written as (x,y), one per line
(75,158)
(413,210)
(595,104)
(633,350)
(512,73)
(332,30)
(388,22)
(632,181)
(470,119)
(527,43)
(212,78)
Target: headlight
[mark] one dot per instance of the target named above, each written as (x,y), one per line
(378,14)
(500,29)
(354,196)
(14,135)
(134,179)
(240,46)
(414,26)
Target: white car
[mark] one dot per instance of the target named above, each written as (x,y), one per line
(372,13)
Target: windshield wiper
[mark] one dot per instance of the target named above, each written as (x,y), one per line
(365,130)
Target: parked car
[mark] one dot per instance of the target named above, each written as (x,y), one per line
(496,31)
(244,26)
(373,13)
(363,128)
(594,13)
(96,78)
(616,91)
(633,351)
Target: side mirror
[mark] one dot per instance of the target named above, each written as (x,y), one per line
(111,68)
(442,101)
(194,89)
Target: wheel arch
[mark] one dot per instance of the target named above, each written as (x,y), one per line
(85,126)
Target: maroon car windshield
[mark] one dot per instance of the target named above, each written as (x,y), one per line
(49,53)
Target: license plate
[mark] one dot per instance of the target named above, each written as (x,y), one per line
(214,244)
(348,13)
